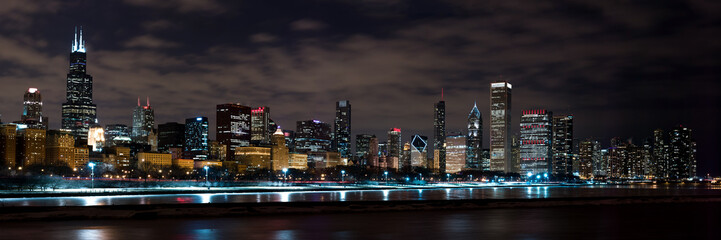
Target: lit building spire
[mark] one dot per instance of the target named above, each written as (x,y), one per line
(78,42)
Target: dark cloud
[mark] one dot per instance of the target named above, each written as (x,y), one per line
(622,69)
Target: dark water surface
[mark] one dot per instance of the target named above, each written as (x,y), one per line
(518,192)
(638,221)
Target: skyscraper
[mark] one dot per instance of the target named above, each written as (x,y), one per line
(536,140)
(682,153)
(342,128)
(196,138)
(233,127)
(501,127)
(143,122)
(456,152)
(474,140)
(33,109)
(260,121)
(394,143)
(170,135)
(419,151)
(312,136)
(660,154)
(562,162)
(117,134)
(439,135)
(79,112)
(587,152)
(362,146)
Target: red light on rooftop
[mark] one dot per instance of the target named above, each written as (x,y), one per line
(396,129)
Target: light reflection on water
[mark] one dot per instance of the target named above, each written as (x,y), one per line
(528,192)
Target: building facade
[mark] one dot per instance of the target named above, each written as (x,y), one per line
(79,112)
(259,124)
(501,127)
(233,127)
(342,129)
(536,141)
(439,136)
(474,141)
(562,162)
(455,153)
(312,136)
(419,151)
(196,138)
(33,110)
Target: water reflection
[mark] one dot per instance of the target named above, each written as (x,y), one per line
(527,192)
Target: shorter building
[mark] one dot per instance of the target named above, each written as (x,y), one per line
(455,153)
(31,146)
(81,157)
(120,157)
(254,158)
(59,148)
(419,154)
(199,164)
(323,159)
(8,145)
(298,161)
(156,159)
(187,164)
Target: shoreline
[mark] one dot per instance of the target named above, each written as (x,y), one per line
(259,209)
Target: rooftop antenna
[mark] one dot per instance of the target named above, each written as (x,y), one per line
(138,101)
(441,94)
(148,100)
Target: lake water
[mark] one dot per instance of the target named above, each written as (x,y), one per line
(518,192)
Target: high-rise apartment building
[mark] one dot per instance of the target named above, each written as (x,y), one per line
(362,146)
(31,146)
(8,145)
(501,127)
(562,162)
(536,140)
(393,146)
(682,153)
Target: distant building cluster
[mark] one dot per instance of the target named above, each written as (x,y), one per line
(248,140)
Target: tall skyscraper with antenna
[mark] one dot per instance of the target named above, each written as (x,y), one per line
(143,122)
(79,112)
(439,136)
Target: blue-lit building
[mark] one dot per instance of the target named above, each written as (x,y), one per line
(536,141)
(196,138)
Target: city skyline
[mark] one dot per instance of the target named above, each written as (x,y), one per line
(115,100)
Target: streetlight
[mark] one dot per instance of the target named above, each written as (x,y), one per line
(285,174)
(471,177)
(420,176)
(448,177)
(92,174)
(206,176)
(342,175)
(545,175)
(386,173)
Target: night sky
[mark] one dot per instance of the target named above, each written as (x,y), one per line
(622,69)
